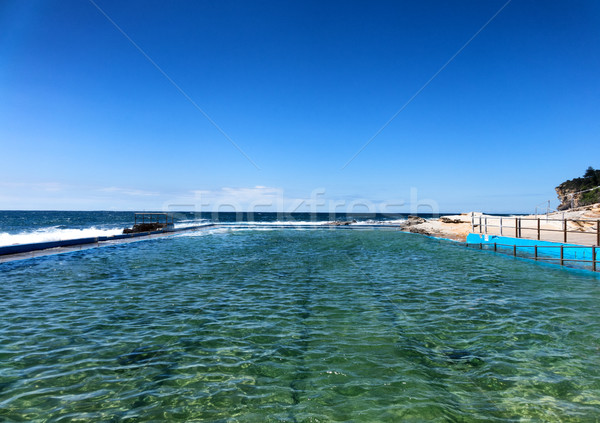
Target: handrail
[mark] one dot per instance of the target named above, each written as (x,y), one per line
(546,220)
(153,218)
(485,223)
(536,255)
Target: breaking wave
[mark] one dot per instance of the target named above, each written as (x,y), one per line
(60,233)
(55,233)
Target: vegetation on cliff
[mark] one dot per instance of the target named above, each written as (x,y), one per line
(580,191)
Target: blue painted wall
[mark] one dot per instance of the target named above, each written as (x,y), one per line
(545,248)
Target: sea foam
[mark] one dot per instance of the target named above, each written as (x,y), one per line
(54,233)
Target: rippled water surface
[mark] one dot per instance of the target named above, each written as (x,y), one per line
(284,325)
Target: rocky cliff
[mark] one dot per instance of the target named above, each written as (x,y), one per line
(580,192)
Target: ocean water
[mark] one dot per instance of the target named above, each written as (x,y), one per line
(315,325)
(23,227)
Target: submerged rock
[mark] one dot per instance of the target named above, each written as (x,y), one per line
(464,357)
(140,355)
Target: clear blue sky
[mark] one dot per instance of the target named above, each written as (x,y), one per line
(88,122)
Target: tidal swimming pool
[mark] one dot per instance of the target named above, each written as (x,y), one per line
(290,325)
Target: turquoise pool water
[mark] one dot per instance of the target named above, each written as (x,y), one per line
(297,326)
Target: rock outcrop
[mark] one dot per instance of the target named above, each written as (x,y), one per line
(450,227)
(580,192)
(414,220)
(341,222)
(415,224)
(444,219)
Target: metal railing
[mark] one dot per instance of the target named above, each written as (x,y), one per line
(161,218)
(541,229)
(537,253)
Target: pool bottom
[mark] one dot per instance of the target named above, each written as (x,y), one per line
(285,325)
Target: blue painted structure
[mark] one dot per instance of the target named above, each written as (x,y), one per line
(545,248)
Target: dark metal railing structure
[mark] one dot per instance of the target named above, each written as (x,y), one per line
(536,252)
(160,218)
(587,230)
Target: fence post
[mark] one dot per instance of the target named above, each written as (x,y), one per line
(480,225)
(598,233)
(520,234)
(500,226)
(481,245)
(472,223)
(594,259)
(565,230)
(516,227)
(495,249)
(514,250)
(538,228)
(485,223)
(562,255)
(535,252)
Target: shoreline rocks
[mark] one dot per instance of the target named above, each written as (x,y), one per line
(450,227)
(340,223)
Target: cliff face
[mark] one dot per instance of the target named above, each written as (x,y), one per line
(580,192)
(570,199)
